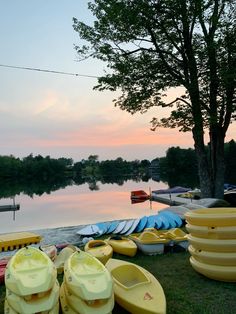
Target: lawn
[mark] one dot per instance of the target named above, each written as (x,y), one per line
(186,291)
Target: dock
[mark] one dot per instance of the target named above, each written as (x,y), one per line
(7,208)
(180,205)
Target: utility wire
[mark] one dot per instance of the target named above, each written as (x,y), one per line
(48,71)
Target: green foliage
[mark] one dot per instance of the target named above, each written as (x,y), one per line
(179,167)
(151,46)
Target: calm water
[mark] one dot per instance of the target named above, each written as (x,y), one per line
(76,205)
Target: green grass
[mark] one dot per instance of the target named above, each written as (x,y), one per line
(186,291)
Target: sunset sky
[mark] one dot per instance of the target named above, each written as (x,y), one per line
(61,115)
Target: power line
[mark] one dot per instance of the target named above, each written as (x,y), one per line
(48,71)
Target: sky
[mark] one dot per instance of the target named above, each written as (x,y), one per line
(61,115)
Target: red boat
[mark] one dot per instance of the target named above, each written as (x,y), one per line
(139,195)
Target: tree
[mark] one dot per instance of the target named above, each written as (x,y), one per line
(150,46)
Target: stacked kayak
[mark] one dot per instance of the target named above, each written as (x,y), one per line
(87,286)
(213,242)
(136,289)
(31,284)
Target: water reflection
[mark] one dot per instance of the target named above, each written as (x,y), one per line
(74,204)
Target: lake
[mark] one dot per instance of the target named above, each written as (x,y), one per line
(78,205)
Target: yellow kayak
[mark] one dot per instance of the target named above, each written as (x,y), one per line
(212,217)
(215,258)
(81,306)
(216,272)
(65,307)
(30,271)
(228,232)
(99,249)
(122,245)
(215,245)
(136,289)
(9,310)
(86,277)
(149,243)
(60,259)
(36,304)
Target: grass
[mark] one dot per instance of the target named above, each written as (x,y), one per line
(186,291)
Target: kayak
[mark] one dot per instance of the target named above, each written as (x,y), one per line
(35,304)
(86,277)
(136,289)
(100,306)
(99,249)
(9,310)
(30,271)
(60,259)
(122,245)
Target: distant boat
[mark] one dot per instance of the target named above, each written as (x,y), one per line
(139,196)
(175,189)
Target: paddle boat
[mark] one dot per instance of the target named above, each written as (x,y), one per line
(99,249)
(216,272)
(136,289)
(87,279)
(178,236)
(149,243)
(122,245)
(30,271)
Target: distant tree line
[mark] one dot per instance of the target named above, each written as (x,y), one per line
(179,166)
(37,174)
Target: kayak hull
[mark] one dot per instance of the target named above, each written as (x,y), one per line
(122,245)
(99,249)
(136,290)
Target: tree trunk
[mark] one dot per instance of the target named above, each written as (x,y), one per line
(217,137)
(203,165)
